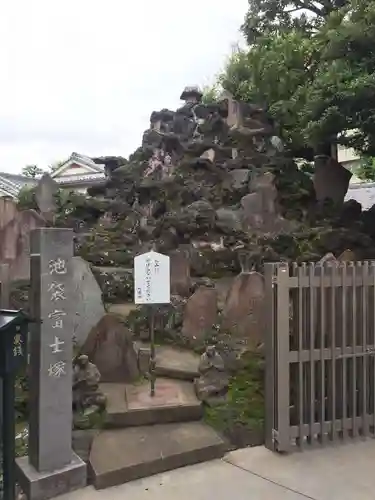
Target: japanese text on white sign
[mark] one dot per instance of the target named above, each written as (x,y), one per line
(152,278)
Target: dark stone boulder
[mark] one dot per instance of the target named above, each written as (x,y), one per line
(110,348)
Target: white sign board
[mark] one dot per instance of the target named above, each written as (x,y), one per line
(152,279)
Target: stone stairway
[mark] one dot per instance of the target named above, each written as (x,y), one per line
(173,362)
(146,435)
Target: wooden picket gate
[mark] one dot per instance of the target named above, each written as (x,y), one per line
(320,353)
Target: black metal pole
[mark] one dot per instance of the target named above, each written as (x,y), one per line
(152,353)
(8,431)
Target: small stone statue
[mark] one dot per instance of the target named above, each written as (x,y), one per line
(214,379)
(86,378)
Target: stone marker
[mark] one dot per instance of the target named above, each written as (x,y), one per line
(243,313)
(240,178)
(180,272)
(234,118)
(45,193)
(252,211)
(15,245)
(260,209)
(347,256)
(331,179)
(200,314)
(208,155)
(89,308)
(51,468)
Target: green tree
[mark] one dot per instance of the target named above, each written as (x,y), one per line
(274,74)
(32,171)
(210,94)
(315,72)
(366,169)
(341,97)
(272,17)
(57,164)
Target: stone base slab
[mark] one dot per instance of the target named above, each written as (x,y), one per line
(132,405)
(122,455)
(45,485)
(173,362)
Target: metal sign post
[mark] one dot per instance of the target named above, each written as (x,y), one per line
(152,287)
(152,366)
(9,436)
(13,356)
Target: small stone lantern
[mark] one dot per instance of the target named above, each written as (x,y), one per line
(191,95)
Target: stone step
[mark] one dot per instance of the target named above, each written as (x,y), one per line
(122,455)
(173,362)
(132,405)
(112,269)
(122,310)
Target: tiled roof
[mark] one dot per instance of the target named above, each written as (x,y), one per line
(11,184)
(85,160)
(18,180)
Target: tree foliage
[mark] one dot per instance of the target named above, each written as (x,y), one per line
(274,75)
(341,97)
(32,171)
(366,169)
(57,164)
(313,65)
(210,94)
(273,17)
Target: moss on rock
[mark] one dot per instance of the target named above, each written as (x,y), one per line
(240,417)
(117,285)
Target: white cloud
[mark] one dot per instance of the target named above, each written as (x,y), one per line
(85,75)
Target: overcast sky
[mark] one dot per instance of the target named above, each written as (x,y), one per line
(85,75)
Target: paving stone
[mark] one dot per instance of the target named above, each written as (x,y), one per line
(174,401)
(122,455)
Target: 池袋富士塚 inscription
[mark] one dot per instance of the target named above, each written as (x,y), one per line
(56,289)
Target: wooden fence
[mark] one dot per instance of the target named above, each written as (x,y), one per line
(320,353)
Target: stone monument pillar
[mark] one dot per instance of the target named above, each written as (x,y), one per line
(51,468)
(4,286)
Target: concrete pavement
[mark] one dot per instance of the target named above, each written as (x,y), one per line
(344,472)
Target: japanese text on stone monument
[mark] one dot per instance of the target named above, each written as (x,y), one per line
(56,290)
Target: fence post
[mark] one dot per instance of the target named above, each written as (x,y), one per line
(269,344)
(282,358)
